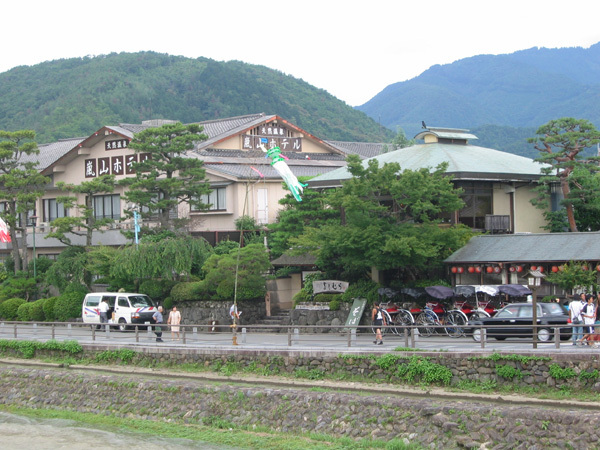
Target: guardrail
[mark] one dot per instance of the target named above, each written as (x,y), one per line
(406,336)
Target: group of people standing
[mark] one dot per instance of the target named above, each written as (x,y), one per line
(583,312)
(174,321)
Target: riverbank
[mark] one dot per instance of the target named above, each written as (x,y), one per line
(378,414)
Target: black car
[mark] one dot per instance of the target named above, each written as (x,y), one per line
(515,320)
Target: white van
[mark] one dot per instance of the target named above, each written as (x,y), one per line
(124,309)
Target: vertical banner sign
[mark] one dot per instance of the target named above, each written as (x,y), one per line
(356,312)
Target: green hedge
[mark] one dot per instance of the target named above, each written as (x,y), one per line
(24,312)
(9,308)
(157,290)
(48,307)
(183,292)
(68,306)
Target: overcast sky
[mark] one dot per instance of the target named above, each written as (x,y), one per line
(352,49)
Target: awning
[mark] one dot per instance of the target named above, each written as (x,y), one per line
(487,289)
(514,290)
(388,292)
(439,292)
(413,292)
(464,290)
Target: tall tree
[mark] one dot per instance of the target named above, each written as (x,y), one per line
(21,185)
(389,219)
(167,177)
(560,143)
(86,218)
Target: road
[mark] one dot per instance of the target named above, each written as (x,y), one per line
(252,338)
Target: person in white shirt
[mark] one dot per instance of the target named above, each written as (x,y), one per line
(575,308)
(588,312)
(103,311)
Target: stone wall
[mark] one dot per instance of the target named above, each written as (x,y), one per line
(321,318)
(205,312)
(428,422)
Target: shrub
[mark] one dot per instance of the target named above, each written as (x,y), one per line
(301,296)
(157,289)
(37,310)
(168,303)
(48,307)
(194,290)
(68,306)
(363,289)
(8,308)
(24,312)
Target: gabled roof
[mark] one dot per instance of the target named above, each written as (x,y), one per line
(446,133)
(49,153)
(230,163)
(536,247)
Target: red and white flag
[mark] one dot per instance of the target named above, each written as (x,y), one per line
(4,234)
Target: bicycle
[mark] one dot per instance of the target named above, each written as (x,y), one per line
(399,318)
(453,322)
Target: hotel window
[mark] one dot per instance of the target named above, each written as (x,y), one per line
(107,206)
(478,202)
(53,210)
(216,199)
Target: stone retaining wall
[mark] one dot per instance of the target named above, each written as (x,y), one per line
(204,312)
(438,424)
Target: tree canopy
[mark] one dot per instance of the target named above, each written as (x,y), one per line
(165,176)
(388,219)
(21,184)
(561,143)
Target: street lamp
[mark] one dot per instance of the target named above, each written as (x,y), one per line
(34,219)
(534,280)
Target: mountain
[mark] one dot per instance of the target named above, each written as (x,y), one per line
(77,96)
(524,89)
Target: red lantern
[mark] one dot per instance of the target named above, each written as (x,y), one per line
(461,269)
(541,268)
(512,268)
(598,268)
(497,269)
(584,267)
(519,269)
(478,269)
(533,267)
(471,269)
(489,269)
(555,269)
(454,270)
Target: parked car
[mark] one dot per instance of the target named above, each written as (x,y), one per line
(515,320)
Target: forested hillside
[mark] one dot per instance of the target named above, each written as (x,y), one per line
(524,89)
(75,97)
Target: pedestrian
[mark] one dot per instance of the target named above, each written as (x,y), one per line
(174,320)
(158,319)
(378,320)
(588,312)
(575,314)
(235,315)
(103,311)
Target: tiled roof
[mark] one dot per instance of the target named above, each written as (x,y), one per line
(50,153)
(301,260)
(253,171)
(223,154)
(535,247)
(363,149)
(463,161)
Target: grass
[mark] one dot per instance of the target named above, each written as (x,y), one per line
(214,431)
